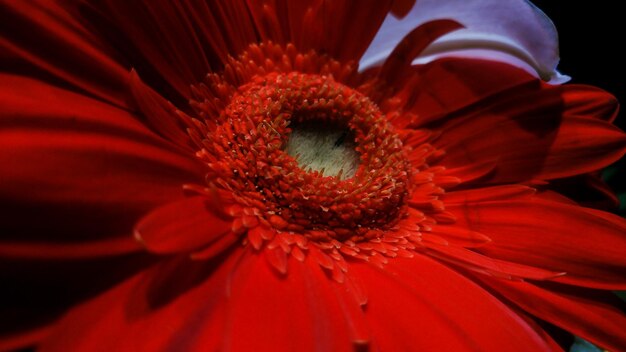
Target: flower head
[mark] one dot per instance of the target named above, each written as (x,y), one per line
(254,177)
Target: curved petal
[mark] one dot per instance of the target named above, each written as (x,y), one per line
(451,88)
(583,100)
(70,161)
(26,311)
(462,103)
(300,311)
(588,245)
(50,250)
(236,303)
(514,27)
(444,88)
(156,310)
(181,226)
(399,60)
(585,313)
(534,134)
(19,341)
(426,306)
(320,25)
(488,194)
(179,42)
(459,236)
(49,37)
(159,114)
(471,260)
(173,43)
(491,55)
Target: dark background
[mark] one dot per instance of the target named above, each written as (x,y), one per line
(591,36)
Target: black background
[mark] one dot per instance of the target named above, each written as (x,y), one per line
(590,33)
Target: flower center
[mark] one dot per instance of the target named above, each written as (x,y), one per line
(327,148)
(308,154)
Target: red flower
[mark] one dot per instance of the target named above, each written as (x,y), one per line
(290,200)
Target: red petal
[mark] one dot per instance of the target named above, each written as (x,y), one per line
(22,341)
(553,345)
(70,161)
(298,311)
(255,236)
(319,25)
(411,46)
(51,251)
(584,313)
(175,41)
(401,8)
(159,113)
(484,264)
(277,259)
(459,236)
(181,226)
(23,307)
(488,194)
(239,305)
(442,87)
(455,88)
(426,306)
(588,245)
(71,52)
(471,172)
(334,17)
(531,141)
(583,100)
(176,305)
(216,248)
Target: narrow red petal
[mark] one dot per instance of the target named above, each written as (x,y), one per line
(472,171)
(554,146)
(582,100)
(449,86)
(286,312)
(70,161)
(486,265)
(181,226)
(72,251)
(459,236)
(277,259)
(445,309)
(312,24)
(21,341)
(72,52)
(66,278)
(488,194)
(588,245)
(584,313)
(255,236)
(178,42)
(364,20)
(216,247)
(411,46)
(159,113)
(401,8)
(192,306)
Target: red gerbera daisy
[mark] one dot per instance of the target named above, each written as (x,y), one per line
(267,175)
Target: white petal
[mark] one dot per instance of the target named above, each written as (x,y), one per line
(515,28)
